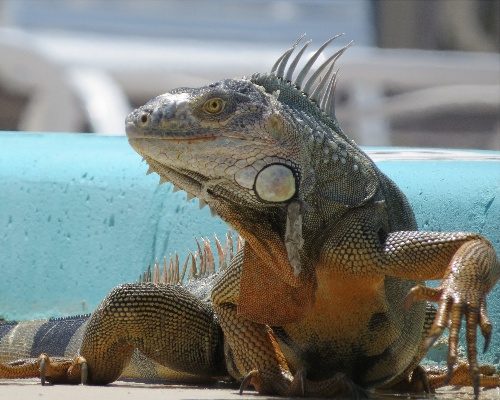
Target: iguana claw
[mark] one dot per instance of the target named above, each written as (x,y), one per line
(85,371)
(420,374)
(301,378)
(246,380)
(42,359)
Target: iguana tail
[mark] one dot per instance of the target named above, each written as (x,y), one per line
(59,337)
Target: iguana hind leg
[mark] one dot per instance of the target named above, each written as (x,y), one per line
(166,323)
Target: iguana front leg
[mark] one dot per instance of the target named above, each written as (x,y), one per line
(242,335)
(254,356)
(469,268)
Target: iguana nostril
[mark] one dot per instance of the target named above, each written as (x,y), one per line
(144,118)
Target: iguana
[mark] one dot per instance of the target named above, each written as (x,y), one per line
(327,295)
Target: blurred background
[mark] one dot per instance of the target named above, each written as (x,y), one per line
(421,72)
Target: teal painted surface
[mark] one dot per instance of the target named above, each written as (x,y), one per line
(78,216)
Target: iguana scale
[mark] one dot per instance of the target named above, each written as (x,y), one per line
(327,295)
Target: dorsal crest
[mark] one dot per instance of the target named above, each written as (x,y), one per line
(318,86)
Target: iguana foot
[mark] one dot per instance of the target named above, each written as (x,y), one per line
(299,386)
(428,379)
(62,370)
(460,376)
(52,370)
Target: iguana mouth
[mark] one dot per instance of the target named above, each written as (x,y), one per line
(133,132)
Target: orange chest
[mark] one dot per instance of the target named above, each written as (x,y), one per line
(344,311)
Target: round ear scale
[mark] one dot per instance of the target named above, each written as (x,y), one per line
(276,183)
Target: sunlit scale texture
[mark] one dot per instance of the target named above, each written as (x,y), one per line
(326,297)
(327,234)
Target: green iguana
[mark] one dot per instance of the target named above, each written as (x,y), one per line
(327,295)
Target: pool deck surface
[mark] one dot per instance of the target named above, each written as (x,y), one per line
(28,389)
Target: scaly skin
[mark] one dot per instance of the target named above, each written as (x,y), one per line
(331,249)
(327,296)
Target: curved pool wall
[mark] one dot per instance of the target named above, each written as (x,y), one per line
(78,216)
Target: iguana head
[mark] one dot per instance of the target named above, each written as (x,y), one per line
(226,141)
(266,153)
(256,141)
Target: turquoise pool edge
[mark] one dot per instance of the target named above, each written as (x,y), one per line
(79,216)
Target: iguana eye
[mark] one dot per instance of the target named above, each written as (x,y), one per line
(214,106)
